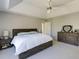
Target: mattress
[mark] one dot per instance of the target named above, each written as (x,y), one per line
(23,43)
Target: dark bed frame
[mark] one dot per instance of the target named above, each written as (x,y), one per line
(34,50)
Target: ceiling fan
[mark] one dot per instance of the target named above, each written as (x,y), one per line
(56,3)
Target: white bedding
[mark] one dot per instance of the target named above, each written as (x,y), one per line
(23,43)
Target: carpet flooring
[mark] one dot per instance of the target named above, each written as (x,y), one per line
(58,51)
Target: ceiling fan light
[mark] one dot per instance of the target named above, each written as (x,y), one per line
(49,11)
(49,8)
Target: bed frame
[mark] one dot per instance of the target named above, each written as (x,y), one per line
(34,50)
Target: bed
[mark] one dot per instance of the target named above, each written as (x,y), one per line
(33,50)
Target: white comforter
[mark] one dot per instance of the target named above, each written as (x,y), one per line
(23,43)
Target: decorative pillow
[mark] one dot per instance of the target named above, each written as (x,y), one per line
(27,33)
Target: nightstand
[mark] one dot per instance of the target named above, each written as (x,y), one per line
(5,43)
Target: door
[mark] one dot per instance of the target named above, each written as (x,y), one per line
(46,28)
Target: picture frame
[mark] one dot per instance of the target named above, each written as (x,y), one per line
(76,30)
(67,28)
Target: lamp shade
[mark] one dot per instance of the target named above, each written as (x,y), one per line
(5,33)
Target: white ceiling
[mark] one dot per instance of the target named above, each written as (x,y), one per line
(44,3)
(71,7)
(5,4)
(37,8)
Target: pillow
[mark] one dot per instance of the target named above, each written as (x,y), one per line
(27,33)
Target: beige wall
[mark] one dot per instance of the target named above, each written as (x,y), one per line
(9,21)
(58,22)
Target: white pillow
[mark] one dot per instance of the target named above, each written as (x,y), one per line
(27,33)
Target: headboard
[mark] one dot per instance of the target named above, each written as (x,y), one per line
(15,31)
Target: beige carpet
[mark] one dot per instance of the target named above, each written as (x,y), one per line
(57,51)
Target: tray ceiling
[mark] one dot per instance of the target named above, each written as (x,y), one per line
(37,8)
(44,3)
